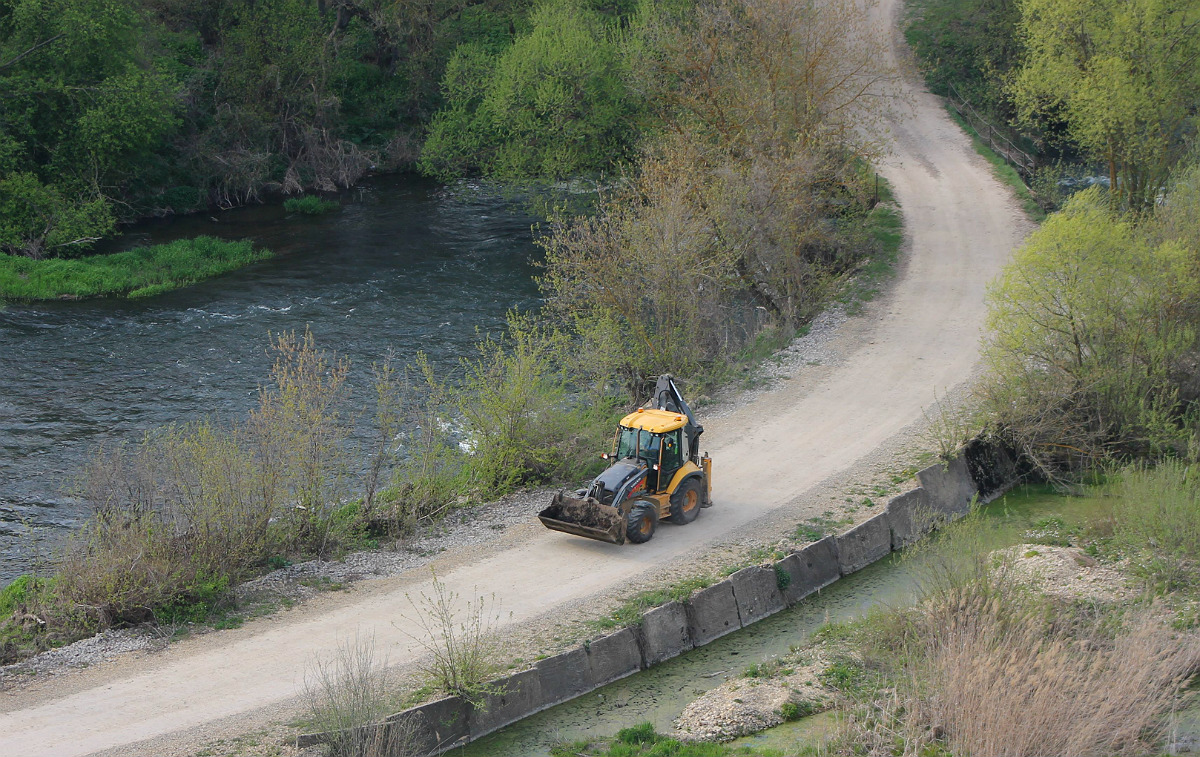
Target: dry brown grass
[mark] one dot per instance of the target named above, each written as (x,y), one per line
(350,693)
(1005,682)
(985,665)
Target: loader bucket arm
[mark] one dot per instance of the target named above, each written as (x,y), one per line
(668,397)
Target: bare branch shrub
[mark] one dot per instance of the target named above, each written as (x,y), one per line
(742,205)
(192,509)
(349,694)
(459,636)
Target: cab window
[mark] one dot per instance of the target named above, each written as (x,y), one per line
(634,442)
(672,454)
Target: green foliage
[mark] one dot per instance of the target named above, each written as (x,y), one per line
(142,272)
(554,104)
(968,46)
(1156,523)
(783,579)
(38,219)
(83,106)
(630,611)
(116,109)
(518,414)
(1088,324)
(310,205)
(24,591)
(642,741)
(1124,77)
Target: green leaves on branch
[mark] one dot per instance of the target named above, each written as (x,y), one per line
(82,106)
(1089,325)
(1125,76)
(554,104)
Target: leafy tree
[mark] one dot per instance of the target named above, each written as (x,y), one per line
(82,106)
(1087,325)
(555,103)
(1125,74)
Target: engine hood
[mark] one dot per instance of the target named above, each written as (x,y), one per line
(612,486)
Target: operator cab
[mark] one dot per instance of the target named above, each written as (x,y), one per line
(655,438)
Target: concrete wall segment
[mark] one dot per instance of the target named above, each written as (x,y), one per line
(756,590)
(862,545)
(518,696)
(564,676)
(712,612)
(949,487)
(614,656)
(911,517)
(664,633)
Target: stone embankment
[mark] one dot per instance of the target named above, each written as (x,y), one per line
(946,492)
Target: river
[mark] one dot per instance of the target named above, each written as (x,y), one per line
(404,265)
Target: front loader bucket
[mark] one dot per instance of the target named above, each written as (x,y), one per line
(584,517)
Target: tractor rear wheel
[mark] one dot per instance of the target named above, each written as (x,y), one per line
(641,521)
(687,501)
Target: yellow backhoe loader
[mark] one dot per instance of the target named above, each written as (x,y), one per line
(656,474)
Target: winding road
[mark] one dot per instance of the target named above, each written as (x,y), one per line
(921,339)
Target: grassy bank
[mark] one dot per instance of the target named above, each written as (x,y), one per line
(141,272)
(1004,172)
(1007,651)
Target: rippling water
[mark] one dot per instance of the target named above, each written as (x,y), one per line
(405,264)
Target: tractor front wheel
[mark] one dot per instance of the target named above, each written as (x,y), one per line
(641,521)
(687,501)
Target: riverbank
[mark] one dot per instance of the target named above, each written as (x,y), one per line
(141,272)
(1050,566)
(1074,637)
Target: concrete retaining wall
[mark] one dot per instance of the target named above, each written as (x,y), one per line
(747,596)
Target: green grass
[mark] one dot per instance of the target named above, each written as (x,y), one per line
(142,272)
(642,741)
(630,612)
(884,226)
(1003,170)
(310,205)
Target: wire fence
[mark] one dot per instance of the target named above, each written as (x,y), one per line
(1021,161)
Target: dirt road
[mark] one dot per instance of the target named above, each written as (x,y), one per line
(922,340)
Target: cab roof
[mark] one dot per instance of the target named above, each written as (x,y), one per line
(654,421)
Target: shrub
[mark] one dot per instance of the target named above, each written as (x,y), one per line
(460,640)
(191,510)
(519,415)
(1088,326)
(554,104)
(346,692)
(1156,523)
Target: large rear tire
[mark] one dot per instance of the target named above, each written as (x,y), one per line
(641,521)
(687,501)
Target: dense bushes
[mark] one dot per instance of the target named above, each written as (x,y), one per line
(115,110)
(1093,340)
(556,103)
(744,211)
